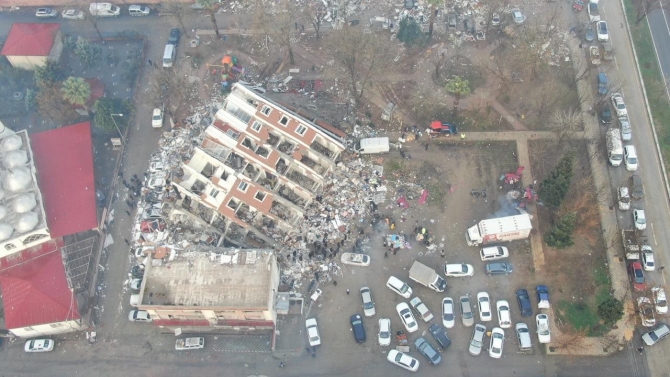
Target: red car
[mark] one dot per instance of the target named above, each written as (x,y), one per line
(637,276)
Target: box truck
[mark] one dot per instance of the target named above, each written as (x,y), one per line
(104,10)
(425,275)
(501,229)
(614,146)
(373,145)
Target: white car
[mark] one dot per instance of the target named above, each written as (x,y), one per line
(630,157)
(39,345)
(157,118)
(313,332)
(403,360)
(73,14)
(504,314)
(626,129)
(660,301)
(497,342)
(495,19)
(639,219)
(648,262)
(46,13)
(543,332)
(368,304)
(484,304)
(624,198)
(355,259)
(384,335)
(603,33)
(517,16)
(592,9)
(156,183)
(477,340)
(398,286)
(421,309)
(139,316)
(407,317)
(458,270)
(619,105)
(448,317)
(135,284)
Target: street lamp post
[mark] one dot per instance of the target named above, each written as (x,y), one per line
(117,126)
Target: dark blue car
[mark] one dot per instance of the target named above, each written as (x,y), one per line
(357,327)
(603,84)
(524,302)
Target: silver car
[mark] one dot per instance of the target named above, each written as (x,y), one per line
(466,311)
(368,304)
(477,340)
(517,16)
(448,312)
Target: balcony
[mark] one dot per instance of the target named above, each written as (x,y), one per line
(286,147)
(267,180)
(245,214)
(282,211)
(322,150)
(250,172)
(281,166)
(263,152)
(288,194)
(273,139)
(198,187)
(313,164)
(301,180)
(235,161)
(208,171)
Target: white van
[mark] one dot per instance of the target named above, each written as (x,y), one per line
(104,10)
(169,55)
(373,145)
(398,286)
(494,252)
(139,10)
(189,344)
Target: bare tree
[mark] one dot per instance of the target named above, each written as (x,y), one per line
(565,123)
(278,19)
(178,10)
(170,89)
(434,5)
(316,12)
(573,343)
(644,7)
(364,58)
(51,105)
(211,6)
(494,6)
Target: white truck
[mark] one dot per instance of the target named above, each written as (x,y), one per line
(501,229)
(190,344)
(425,275)
(104,10)
(373,145)
(614,146)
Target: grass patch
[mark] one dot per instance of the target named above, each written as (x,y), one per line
(652,79)
(579,314)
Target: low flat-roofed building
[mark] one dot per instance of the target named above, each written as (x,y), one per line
(212,289)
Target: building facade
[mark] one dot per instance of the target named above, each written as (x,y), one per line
(259,165)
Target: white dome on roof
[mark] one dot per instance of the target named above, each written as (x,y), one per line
(6,231)
(17,179)
(3,212)
(24,202)
(27,222)
(15,158)
(11,143)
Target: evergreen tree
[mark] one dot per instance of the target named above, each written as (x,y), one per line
(553,188)
(560,235)
(409,32)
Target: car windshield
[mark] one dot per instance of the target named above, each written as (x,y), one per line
(448,316)
(313,338)
(476,343)
(384,334)
(603,27)
(356,322)
(404,288)
(467,315)
(368,305)
(653,336)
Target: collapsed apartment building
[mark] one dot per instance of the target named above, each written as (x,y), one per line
(258,167)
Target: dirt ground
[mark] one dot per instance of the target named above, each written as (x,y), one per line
(585,261)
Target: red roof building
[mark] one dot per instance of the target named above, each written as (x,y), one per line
(36,295)
(64,164)
(30,45)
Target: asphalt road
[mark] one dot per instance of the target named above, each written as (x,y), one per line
(660,30)
(122,350)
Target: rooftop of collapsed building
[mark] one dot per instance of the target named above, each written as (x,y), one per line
(209,277)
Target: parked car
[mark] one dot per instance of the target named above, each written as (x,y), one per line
(355,259)
(398,286)
(517,16)
(46,13)
(187,344)
(655,335)
(175,34)
(458,270)
(543,331)
(493,253)
(139,10)
(619,104)
(660,300)
(495,19)
(421,309)
(603,33)
(497,342)
(428,351)
(594,14)
(135,284)
(603,83)
(524,302)
(157,118)
(523,337)
(313,332)
(626,129)
(637,276)
(466,311)
(606,114)
(504,314)
(407,317)
(477,340)
(384,335)
(357,328)
(499,268)
(623,198)
(403,360)
(39,345)
(484,304)
(448,317)
(636,187)
(639,219)
(440,335)
(646,310)
(139,316)
(368,304)
(73,14)
(630,157)
(648,262)
(589,34)
(542,297)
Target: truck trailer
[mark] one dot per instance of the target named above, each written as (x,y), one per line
(501,229)
(425,275)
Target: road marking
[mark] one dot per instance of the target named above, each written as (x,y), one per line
(653,43)
(653,234)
